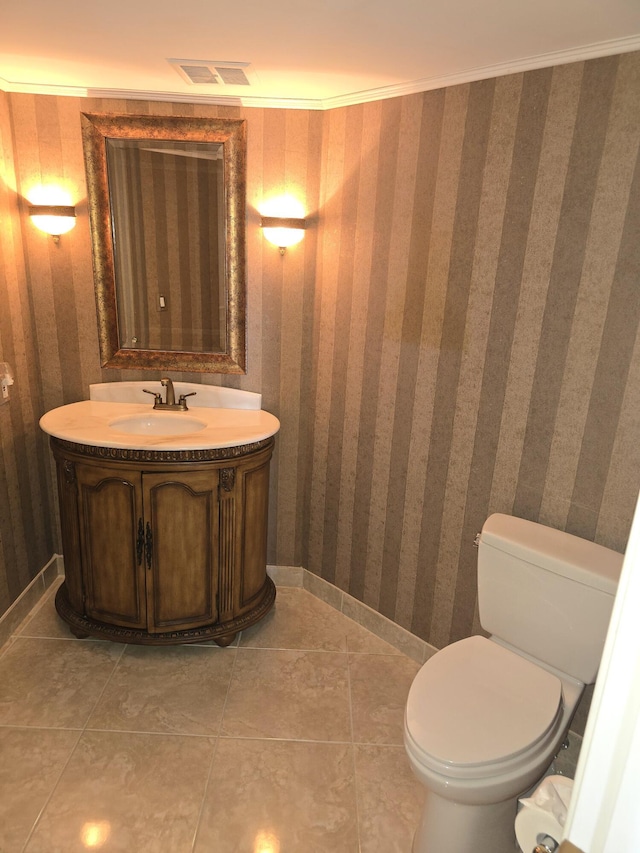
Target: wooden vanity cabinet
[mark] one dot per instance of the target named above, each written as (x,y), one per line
(163,547)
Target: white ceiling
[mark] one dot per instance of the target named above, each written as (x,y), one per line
(302,53)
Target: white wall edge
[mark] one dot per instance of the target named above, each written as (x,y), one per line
(603,816)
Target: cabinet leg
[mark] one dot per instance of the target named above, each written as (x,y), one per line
(226,640)
(77,632)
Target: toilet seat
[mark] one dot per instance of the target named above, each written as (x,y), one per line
(476,706)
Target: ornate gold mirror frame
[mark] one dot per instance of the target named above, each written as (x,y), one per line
(231,134)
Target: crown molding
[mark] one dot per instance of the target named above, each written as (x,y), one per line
(215,100)
(501,69)
(426,84)
(153,95)
(41,89)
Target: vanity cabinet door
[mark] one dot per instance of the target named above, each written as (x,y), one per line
(110,519)
(181,547)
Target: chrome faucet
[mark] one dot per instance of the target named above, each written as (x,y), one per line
(170,402)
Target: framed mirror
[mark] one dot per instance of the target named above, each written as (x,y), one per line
(167,198)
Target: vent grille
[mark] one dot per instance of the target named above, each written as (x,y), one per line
(232,76)
(199,74)
(210,73)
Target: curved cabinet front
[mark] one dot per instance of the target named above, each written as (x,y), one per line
(163,547)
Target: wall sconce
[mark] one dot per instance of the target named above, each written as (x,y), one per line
(283,231)
(54,219)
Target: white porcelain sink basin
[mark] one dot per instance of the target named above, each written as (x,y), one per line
(156,423)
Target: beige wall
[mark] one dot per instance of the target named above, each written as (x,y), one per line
(457,333)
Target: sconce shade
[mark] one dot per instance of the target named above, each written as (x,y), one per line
(54,219)
(283,231)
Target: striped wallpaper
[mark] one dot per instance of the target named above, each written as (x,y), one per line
(27,518)
(477,331)
(456,335)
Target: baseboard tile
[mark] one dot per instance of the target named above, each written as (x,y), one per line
(286,575)
(380,625)
(29,597)
(324,590)
(397,636)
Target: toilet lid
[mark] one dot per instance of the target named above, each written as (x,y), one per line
(476,702)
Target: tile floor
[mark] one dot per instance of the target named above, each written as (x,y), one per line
(289,741)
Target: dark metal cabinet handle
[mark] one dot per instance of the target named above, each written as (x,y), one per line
(140,541)
(149,546)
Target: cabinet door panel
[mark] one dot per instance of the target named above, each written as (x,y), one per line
(182,581)
(110,513)
(254,532)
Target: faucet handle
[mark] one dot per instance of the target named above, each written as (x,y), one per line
(182,400)
(156,397)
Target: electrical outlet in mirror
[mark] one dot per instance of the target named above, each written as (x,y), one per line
(6,379)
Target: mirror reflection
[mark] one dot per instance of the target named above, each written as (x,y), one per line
(177,295)
(167,204)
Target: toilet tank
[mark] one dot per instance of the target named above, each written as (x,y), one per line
(547,593)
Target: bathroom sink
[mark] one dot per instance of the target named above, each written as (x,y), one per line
(138,426)
(153,423)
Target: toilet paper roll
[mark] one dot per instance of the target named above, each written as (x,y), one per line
(532,825)
(544,813)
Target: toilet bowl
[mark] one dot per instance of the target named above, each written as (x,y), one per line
(484,717)
(482,725)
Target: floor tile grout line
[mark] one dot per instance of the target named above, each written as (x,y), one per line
(85,640)
(29,728)
(54,787)
(221,737)
(101,693)
(323,651)
(353,748)
(64,767)
(231,674)
(4,649)
(196,828)
(103,730)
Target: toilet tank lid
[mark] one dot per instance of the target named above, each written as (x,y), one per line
(562,553)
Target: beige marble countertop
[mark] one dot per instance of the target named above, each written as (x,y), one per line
(92,422)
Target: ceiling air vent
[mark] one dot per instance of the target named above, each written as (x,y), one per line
(232,75)
(201,72)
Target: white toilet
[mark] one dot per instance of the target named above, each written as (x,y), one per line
(485,717)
